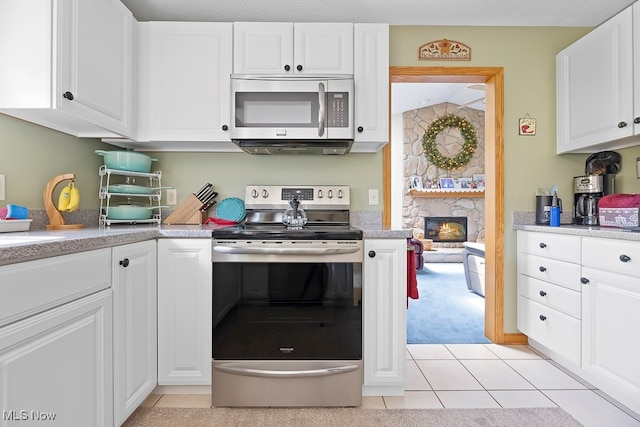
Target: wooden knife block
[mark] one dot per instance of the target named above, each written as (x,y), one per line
(187,212)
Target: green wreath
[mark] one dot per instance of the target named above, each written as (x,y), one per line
(468,148)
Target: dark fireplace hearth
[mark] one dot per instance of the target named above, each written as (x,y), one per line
(445,228)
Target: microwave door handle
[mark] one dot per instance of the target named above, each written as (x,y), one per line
(322,110)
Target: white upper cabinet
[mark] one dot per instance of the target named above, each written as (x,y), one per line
(185,84)
(68,65)
(287,48)
(371,78)
(596,86)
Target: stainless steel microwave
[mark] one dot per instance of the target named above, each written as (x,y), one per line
(292,115)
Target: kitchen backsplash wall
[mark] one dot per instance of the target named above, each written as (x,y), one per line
(30,155)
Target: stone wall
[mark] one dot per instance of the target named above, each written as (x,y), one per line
(449,142)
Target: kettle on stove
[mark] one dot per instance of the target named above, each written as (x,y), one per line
(294,217)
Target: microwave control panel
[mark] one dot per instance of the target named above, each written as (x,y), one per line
(338,109)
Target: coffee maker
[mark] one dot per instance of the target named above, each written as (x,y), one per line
(587,190)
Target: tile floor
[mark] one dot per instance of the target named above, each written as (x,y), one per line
(479,376)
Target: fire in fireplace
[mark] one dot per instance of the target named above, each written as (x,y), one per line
(445,228)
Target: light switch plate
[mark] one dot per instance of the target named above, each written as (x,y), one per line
(2,187)
(172,196)
(374,197)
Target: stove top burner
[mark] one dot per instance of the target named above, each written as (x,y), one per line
(280,232)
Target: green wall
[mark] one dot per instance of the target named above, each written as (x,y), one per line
(31,155)
(527,55)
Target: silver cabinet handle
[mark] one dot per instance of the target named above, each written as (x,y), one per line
(268,373)
(322,112)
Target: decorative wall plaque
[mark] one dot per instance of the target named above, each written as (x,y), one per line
(449,50)
(527,126)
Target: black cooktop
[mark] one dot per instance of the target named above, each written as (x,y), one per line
(280,232)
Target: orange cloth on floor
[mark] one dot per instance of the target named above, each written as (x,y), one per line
(412,280)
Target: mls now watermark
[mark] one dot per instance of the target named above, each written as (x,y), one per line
(27,415)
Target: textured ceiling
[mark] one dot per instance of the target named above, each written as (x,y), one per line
(570,13)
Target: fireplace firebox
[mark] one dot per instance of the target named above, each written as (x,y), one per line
(445,228)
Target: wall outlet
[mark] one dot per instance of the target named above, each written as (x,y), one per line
(2,188)
(374,196)
(172,196)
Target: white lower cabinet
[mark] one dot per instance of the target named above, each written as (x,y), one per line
(56,357)
(384,316)
(611,306)
(587,323)
(549,292)
(184,311)
(134,326)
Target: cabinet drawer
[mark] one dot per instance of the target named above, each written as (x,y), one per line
(550,270)
(555,330)
(557,246)
(553,296)
(609,254)
(30,287)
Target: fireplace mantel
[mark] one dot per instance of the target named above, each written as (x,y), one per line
(447,193)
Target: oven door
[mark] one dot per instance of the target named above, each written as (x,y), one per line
(287,323)
(287,301)
(291,108)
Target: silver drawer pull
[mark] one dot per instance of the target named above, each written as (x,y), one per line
(625,258)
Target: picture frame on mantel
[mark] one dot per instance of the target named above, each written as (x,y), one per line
(415,182)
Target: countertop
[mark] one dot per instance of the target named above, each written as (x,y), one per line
(583,230)
(29,245)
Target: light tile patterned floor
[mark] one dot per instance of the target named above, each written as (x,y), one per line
(478,376)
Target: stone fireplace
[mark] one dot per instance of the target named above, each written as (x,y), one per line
(417,207)
(446,229)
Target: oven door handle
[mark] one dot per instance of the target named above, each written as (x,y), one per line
(284,251)
(269,373)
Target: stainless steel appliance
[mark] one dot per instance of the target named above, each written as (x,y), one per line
(292,115)
(287,314)
(588,190)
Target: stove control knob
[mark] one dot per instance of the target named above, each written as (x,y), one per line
(330,195)
(319,194)
(265,194)
(254,193)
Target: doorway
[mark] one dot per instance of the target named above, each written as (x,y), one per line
(493,78)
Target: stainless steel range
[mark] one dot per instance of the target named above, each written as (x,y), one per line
(287,314)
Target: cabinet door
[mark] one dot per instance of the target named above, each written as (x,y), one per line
(95,63)
(184,312)
(610,307)
(323,48)
(263,48)
(134,326)
(58,364)
(189,65)
(371,76)
(384,299)
(595,87)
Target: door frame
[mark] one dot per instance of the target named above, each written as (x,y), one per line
(493,78)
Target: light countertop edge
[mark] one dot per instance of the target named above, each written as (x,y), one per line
(62,242)
(582,230)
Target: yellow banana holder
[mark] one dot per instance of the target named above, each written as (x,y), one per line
(68,201)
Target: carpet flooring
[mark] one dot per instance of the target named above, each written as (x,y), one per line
(446,312)
(348,417)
